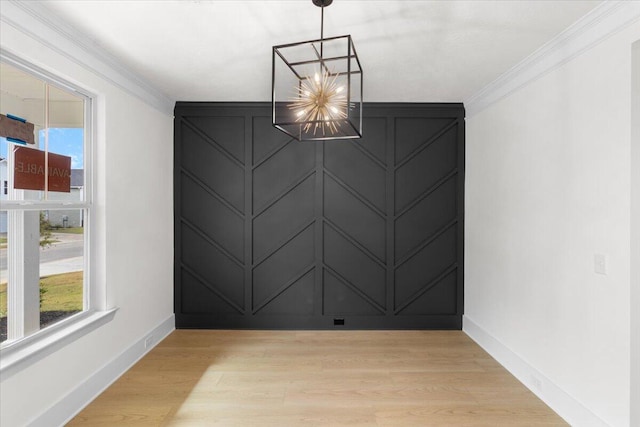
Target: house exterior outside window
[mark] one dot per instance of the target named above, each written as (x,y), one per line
(44,236)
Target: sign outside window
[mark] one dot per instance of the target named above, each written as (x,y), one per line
(29,170)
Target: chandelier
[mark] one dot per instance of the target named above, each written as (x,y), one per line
(316,87)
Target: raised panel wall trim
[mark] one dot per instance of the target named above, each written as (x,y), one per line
(370,155)
(426,193)
(278,245)
(426,287)
(248,208)
(204,282)
(212,142)
(390,220)
(213,193)
(212,242)
(283,193)
(318,322)
(354,193)
(354,288)
(460,201)
(413,251)
(283,198)
(425,144)
(284,287)
(354,242)
(270,154)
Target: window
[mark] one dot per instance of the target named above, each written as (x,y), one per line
(46,203)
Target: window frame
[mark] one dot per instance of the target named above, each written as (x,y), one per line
(15,354)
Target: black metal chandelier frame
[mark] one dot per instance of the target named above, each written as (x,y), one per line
(350,125)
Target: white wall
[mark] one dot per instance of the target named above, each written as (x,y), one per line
(635,237)
(135,243)
(547,187)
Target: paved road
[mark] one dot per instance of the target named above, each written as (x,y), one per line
(63,256)
(68,246)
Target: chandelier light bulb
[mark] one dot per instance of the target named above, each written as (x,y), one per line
(320,103)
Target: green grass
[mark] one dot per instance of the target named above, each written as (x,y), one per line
(64,293)
(3,299)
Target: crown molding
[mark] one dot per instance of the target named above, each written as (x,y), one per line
(594,27)
(37,22)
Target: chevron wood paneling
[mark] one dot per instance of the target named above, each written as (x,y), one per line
(274,233)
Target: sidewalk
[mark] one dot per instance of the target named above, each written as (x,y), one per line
(66,237)
(62,266)
(63,241)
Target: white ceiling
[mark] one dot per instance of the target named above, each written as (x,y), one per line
(411,51)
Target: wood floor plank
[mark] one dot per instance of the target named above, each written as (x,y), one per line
(317,378)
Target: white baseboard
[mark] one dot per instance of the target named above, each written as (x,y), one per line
(71,404)
(555,397)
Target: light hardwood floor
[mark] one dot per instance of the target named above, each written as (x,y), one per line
(317,378)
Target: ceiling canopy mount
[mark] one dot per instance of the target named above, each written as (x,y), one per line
(322,3)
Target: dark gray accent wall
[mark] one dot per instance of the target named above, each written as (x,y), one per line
(275,233)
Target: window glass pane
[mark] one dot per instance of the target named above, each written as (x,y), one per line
(61,264)
(57,117)
(55,290)
(42,245)
(65,136)
(3,276)
(21,95)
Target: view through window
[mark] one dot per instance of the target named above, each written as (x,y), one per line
(44,202)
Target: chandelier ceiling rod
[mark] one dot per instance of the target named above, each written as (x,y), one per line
(322,4)
(321,31)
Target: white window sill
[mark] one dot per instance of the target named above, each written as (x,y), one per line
(17,355)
